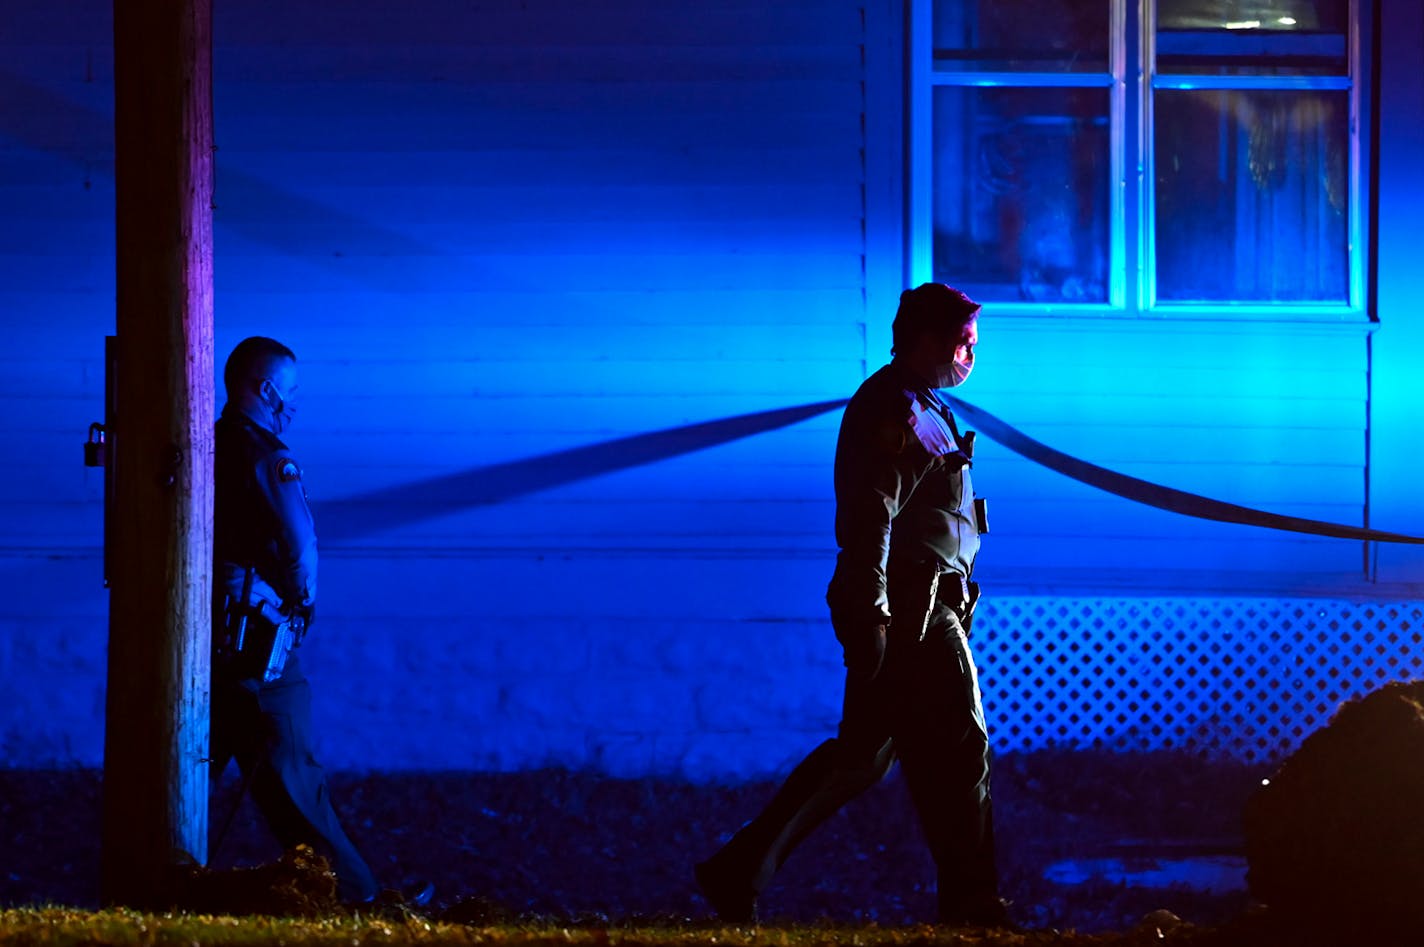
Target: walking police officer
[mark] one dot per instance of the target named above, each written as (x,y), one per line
(901,600)
(264,590)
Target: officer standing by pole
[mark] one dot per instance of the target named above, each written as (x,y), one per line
(264,591)
(901,602)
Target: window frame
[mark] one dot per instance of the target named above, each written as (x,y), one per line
(1132,289)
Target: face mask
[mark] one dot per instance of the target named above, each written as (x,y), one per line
(282,411)
(958,371)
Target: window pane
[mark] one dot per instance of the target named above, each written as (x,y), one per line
(1253,37)
(1251,193)
(1022,193)
(1033,35)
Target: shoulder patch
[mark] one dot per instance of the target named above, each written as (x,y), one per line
(288,471)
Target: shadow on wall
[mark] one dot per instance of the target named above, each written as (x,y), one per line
(352,517)
(87,128)
(356,516)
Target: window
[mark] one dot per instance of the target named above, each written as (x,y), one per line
(1140,158)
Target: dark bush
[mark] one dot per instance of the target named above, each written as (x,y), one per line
(1336,835)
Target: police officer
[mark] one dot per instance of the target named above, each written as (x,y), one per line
(901,601)
(264,589)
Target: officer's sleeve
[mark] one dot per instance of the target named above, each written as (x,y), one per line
(877,470)
(294,546)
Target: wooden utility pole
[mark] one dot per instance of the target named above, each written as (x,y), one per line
(156,732)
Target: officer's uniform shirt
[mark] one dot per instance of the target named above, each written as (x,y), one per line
(262,522)
(261,517)
(903,492)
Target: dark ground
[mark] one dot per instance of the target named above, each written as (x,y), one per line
(584,847)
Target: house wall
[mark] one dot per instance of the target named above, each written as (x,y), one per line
(1397,384)
(574,290)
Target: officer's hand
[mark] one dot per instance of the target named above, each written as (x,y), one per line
(864,648)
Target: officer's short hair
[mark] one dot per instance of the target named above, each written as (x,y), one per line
(930,307)
(253,358)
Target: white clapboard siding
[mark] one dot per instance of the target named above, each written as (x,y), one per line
(535,232)
(1265,416)
(555,230)
(539,259)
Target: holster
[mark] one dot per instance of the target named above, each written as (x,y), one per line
(258,638)
(960,595)
(916,589)
(911,588)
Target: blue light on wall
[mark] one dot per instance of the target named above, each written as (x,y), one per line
(573,328)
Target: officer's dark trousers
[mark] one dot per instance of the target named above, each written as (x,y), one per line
(923,708)
(268,730)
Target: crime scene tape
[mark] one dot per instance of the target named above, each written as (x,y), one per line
(1154,494)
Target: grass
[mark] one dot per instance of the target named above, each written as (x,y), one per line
(62,927)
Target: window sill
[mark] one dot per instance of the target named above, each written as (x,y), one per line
(1246,321)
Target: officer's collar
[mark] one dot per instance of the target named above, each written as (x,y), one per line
(916,383)
(235,415)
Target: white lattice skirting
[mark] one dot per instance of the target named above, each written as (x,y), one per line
(1231,678)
